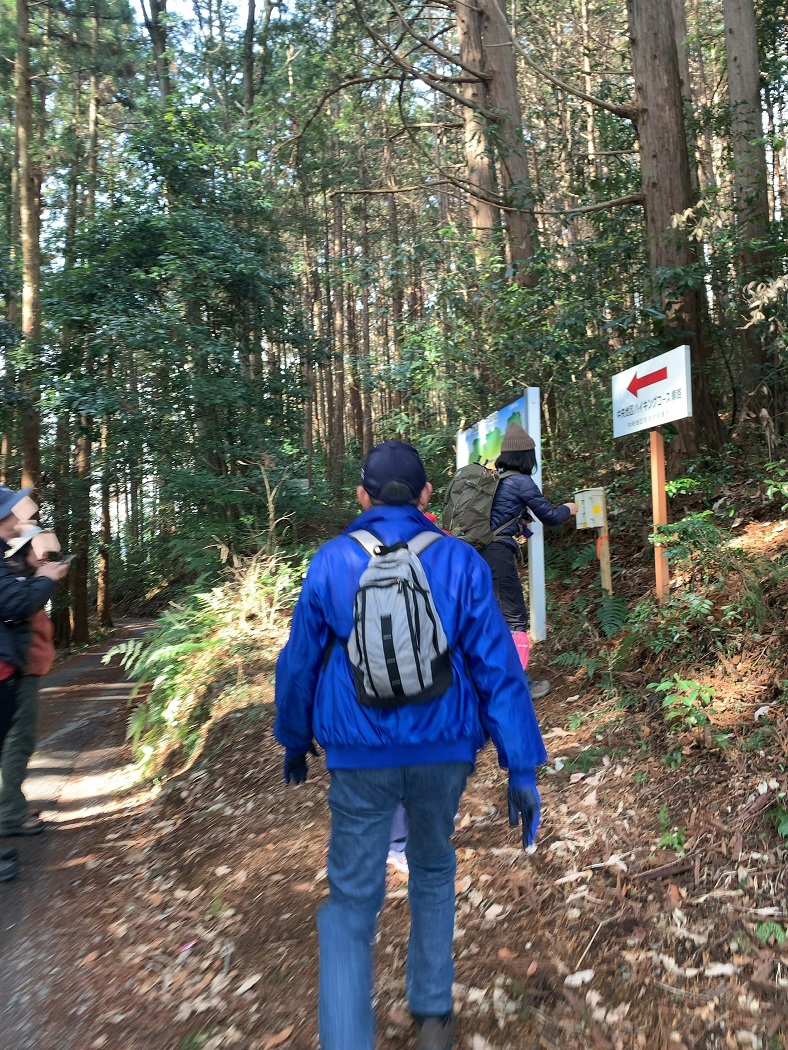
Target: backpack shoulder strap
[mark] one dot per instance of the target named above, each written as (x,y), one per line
(422,541)
(506,524)
(368,540)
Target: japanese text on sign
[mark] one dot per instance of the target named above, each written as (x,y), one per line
(652,393)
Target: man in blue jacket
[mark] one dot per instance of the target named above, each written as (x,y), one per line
(19,599)
(417,754)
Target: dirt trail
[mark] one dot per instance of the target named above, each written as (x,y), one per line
(184,919)
(79,777)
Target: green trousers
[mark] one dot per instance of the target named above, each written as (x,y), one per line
(20,743)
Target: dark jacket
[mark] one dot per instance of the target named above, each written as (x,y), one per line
(19,599)
(315,692)
(517,494)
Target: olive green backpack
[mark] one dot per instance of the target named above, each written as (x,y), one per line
(468,503)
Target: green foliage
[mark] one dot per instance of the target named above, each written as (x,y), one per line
(718,596)
(575,720)
(196,1040)
(766,931)
(779,815)
(673,759)
(696,546)
(200,647)
(672,837)
(575,660)
(589,758)
(758,739)
(612,612)
(776,479)
(687,704)
(585,556)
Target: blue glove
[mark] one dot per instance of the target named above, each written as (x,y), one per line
(524,802)
(295,764)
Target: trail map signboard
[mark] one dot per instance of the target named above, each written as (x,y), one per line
(652,393)
(483,440)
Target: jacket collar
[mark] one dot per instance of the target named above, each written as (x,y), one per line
(393,523)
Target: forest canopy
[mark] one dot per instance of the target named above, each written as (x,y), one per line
(239,245)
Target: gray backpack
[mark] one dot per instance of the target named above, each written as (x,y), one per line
(398,648)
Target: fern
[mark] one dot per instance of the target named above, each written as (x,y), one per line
(194,652)
(136,724)
(612,614)
(765,930)
(569,659)
(575,660)
(584,557)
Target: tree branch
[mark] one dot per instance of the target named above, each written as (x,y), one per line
(462,184)
(295,140)
(454,59)
(626,112)
(585,209)
(413,71)
(391,189)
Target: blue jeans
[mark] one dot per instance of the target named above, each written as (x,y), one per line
(362,804)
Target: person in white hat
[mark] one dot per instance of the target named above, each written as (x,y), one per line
(27,552)
(19,599)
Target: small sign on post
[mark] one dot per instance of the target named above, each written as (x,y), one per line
(592,514)
(644,397)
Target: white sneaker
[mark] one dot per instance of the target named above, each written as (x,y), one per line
(398,861)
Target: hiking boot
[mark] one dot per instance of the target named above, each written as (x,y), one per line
(540,689)
(32,826)
(434,1033)
(8,866)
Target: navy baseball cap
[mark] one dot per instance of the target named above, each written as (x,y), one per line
(393,473)
(9,499)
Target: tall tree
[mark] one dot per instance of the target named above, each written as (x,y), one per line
(750,193)
(30,178)
(667,193)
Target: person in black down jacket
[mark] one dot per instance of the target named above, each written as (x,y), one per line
(19,599)
(516,494)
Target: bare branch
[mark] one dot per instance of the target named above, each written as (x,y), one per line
(390,189)
(463,184)
(413,71)
(585,209)
(477,74)
(626,112)
(295,140)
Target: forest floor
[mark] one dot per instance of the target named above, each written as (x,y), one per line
(652,914)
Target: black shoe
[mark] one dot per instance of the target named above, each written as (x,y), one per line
(31,826)
(8,865)
(434,1033)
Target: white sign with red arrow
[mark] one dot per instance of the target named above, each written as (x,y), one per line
(652,393)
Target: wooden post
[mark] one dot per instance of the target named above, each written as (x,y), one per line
(659,501)
(603,553)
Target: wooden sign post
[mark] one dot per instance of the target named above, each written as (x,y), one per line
(644,397)
(659,503)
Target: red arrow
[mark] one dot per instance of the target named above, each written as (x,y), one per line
(636,385)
